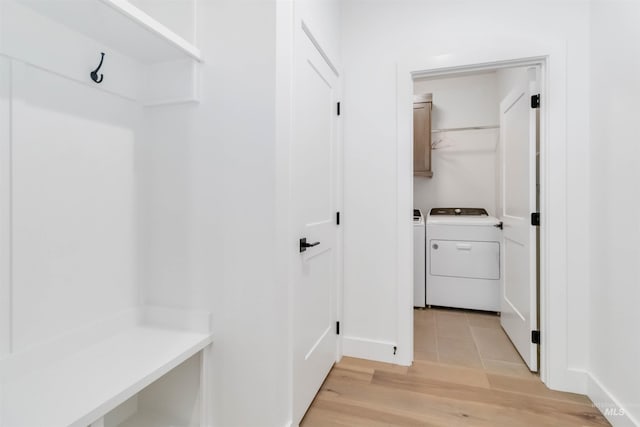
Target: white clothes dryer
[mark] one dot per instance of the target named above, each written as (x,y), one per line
(463,259)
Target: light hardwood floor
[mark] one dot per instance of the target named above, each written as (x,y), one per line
(465,373)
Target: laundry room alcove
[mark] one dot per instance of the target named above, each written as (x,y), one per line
(83,336)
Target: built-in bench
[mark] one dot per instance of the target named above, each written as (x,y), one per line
(78,379)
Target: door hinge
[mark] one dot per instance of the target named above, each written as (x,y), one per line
(338,108)
(535,219)
(337,218)
(535,337)
(535,101)
(337,328)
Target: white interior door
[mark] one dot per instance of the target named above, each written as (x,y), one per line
(518,129)
(314,173)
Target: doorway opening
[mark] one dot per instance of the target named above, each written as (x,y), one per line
(476,199)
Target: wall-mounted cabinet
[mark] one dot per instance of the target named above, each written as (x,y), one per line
(422,135)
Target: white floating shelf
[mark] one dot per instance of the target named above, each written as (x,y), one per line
(119,25)
(82,387)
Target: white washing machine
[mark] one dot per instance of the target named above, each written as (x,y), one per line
(463,259)
(419,259)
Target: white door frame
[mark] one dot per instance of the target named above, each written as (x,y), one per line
(492,54)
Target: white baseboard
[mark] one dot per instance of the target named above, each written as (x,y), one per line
(610,407)
(577,380)
(569,380)
(362,348)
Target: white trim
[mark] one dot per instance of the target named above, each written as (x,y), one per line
(339,198)
(610,407)
(552,56)
(363,348)
(404,235)
(285,232)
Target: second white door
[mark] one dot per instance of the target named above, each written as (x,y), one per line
(519,302)
(314,181)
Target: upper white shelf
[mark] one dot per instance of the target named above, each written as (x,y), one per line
(119,25)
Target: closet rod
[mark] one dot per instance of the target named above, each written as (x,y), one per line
(466,128)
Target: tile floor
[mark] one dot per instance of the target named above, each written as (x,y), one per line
(465,338)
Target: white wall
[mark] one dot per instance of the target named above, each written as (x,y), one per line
(73,207)
(376,36)
(463,162)
(215,201)
(614,349)
(462,101)
(67,199)
(209,214)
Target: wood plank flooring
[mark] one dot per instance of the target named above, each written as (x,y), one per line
(465,373)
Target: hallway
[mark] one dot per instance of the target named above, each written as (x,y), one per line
(465,373)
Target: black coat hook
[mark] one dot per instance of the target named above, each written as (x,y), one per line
(94,73)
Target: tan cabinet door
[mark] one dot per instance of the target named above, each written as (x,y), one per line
(422,139)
